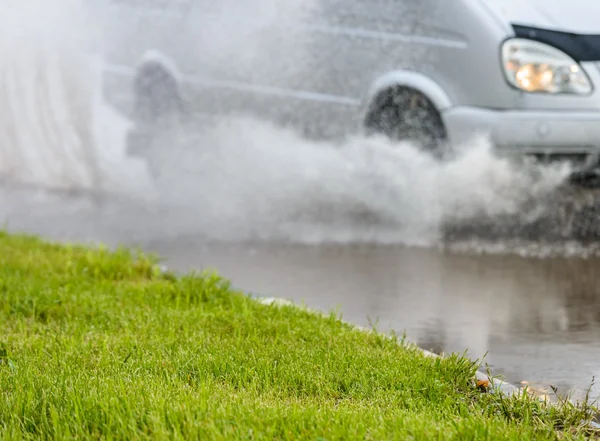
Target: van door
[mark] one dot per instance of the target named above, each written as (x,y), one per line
(257,57)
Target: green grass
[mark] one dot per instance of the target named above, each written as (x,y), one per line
(100,345)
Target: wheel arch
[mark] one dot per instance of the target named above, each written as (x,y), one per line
(155,57)
(409,79)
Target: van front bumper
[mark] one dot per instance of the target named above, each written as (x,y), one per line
(527,132)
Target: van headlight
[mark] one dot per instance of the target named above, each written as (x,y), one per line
(537,67)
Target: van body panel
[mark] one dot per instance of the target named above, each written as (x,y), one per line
(413,80)
(578,16)
(336,48)
(316,64)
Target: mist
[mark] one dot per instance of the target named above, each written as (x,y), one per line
(230,178)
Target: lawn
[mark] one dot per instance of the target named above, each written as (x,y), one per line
(101,345)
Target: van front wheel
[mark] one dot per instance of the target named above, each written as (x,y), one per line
(405,114)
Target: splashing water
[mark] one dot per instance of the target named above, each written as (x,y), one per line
(242,179)
(238,179)
(55,129)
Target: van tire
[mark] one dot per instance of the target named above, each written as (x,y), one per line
(156,93)
(405,114)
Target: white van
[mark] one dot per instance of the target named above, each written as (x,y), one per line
(436,71)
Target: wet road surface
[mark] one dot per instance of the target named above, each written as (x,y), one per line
(538,320)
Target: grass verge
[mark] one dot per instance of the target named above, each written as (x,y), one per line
(101,345)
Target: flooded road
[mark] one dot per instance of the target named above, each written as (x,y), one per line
(534,320)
